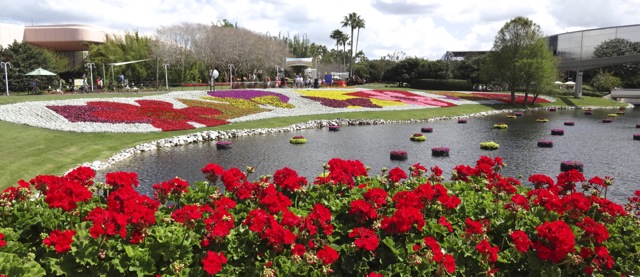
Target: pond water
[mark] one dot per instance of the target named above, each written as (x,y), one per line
(606,149)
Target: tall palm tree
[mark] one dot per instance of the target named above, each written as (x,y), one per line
(352,20)
(337,35)
(359,24)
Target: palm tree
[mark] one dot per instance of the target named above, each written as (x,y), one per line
(341,39)
(353,21)
(359,24)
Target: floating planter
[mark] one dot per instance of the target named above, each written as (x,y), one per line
(553,109)
(569,165)
(418,137)
(511,115)
(557,132)
(489,145)
(588,112)
(607,120)
(334,128)
(298,140)
(519,113)
(612,115)
(636,136)
(545,143)
(622,108)
(440,151)
(569,123)
(426,129)
(223,145)
(462,120)
(637,125)
(542,120)
(398,155)
(500,126)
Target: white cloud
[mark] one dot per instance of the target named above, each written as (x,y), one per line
(422,28)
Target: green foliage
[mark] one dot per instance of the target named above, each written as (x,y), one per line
(605,81)
(619,47)
(25,58)
(131,47)
(436,84)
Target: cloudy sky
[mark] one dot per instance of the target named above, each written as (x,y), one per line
(421,28)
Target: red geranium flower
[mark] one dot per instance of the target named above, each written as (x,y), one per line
(362,210)
(476,227)
(556,240)
(60,240)
(490,252)
(212,263)
(2,242)
(396,174)
(443,221)
(288,179)
(376,196)
(365,238)
(298,250)
(594,230)
(122,179)
(521,240)
(327,255)
(449,263)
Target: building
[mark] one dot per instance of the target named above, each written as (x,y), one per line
(579,45)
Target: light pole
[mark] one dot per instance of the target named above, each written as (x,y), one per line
(6,77)
(214,76)
(166,77)
(91,66)
(231,75)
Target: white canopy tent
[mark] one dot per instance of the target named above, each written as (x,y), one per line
(123,63)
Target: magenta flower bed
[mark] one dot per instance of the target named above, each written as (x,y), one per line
(553,109)
(637,125)
(401,96)
(247,94)
(334,103)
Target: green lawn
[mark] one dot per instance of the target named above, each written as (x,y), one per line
(30,151)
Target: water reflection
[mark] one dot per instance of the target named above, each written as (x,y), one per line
(605,149)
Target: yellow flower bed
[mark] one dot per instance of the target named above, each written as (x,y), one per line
(236,102)
(272,100)
(342,95)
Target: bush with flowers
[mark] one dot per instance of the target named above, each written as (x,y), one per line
(418,137)
(298,140)
(398,155)
(489,145)
(346,222)
(500,125)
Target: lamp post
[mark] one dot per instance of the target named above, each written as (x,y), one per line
(231,75)
(214,76)
(166,76)
(91,66)
(6,77)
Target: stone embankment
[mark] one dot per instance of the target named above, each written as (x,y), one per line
(206,136)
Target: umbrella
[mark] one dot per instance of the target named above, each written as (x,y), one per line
(570,83)
(41,72)
(559,83)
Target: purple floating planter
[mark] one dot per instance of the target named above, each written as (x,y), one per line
(440,151)
(569,123)
(636,137)
(519,113)
(220,145)
(398,155)
(553,109)
(588,112)
(607,120)
(545,143)
(637,125)
(557,132)
(426,129)
(569,165)
(334,128)
(462,120)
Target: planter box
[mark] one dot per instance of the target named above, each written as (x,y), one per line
(569,123)
(398,155)
(636,137)
(221,145)
(462,120)
(607,120)
(557,132)
(440,152)
(334,128)
(545,143)
(569,166)
(426,129)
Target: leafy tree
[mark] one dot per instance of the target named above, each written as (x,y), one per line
(605,81)
(619,47)
(353,21)
(520,57)
(404,71)
(24,58)
(130,47)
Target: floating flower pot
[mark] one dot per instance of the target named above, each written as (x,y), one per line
(637,125)
(588,112)
(397,155)
(519,113)
(622,108)
(545,143)
(612,115)
(636,136)
(426,129)
(557,132)
(298,140)
(500,126)
(418,137)
(569,123)
(462,120)
(489,145)
(223,145)
(334,128)
(511,116)
(440,151)
(569,165)
(620,112)
(542,120)
(553,109)
(607,120)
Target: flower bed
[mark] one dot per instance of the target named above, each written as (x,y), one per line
(542,120)
(440,151)
(489,145)
(500,126)
(612,115)
(607,120)
(545,143)
(334,128)
(221,145)
(462,120)
(418,137)
(619,113)
(636,136)
(298,140)
(398,155)
(569,123)
(426,129)
(557,132)
(345,222)
(511,115)
(569,165)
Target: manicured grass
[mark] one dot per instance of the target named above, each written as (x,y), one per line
(29,151)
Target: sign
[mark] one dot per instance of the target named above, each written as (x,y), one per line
(298,62)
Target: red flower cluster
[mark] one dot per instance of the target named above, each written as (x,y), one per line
(2,242)
(327,255)
(122,179)
(446,260)
(288,179)
(473,227)
(593,230)
(403,220)
(596,258)
(365,238)
(175,187)
(362,210)
(488,251)
(212,172)
(521,240)
(213,262)
(342,172)
(60,240)
(555,241)
(10,194)
(376,196)
(320,216)
(396,174)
